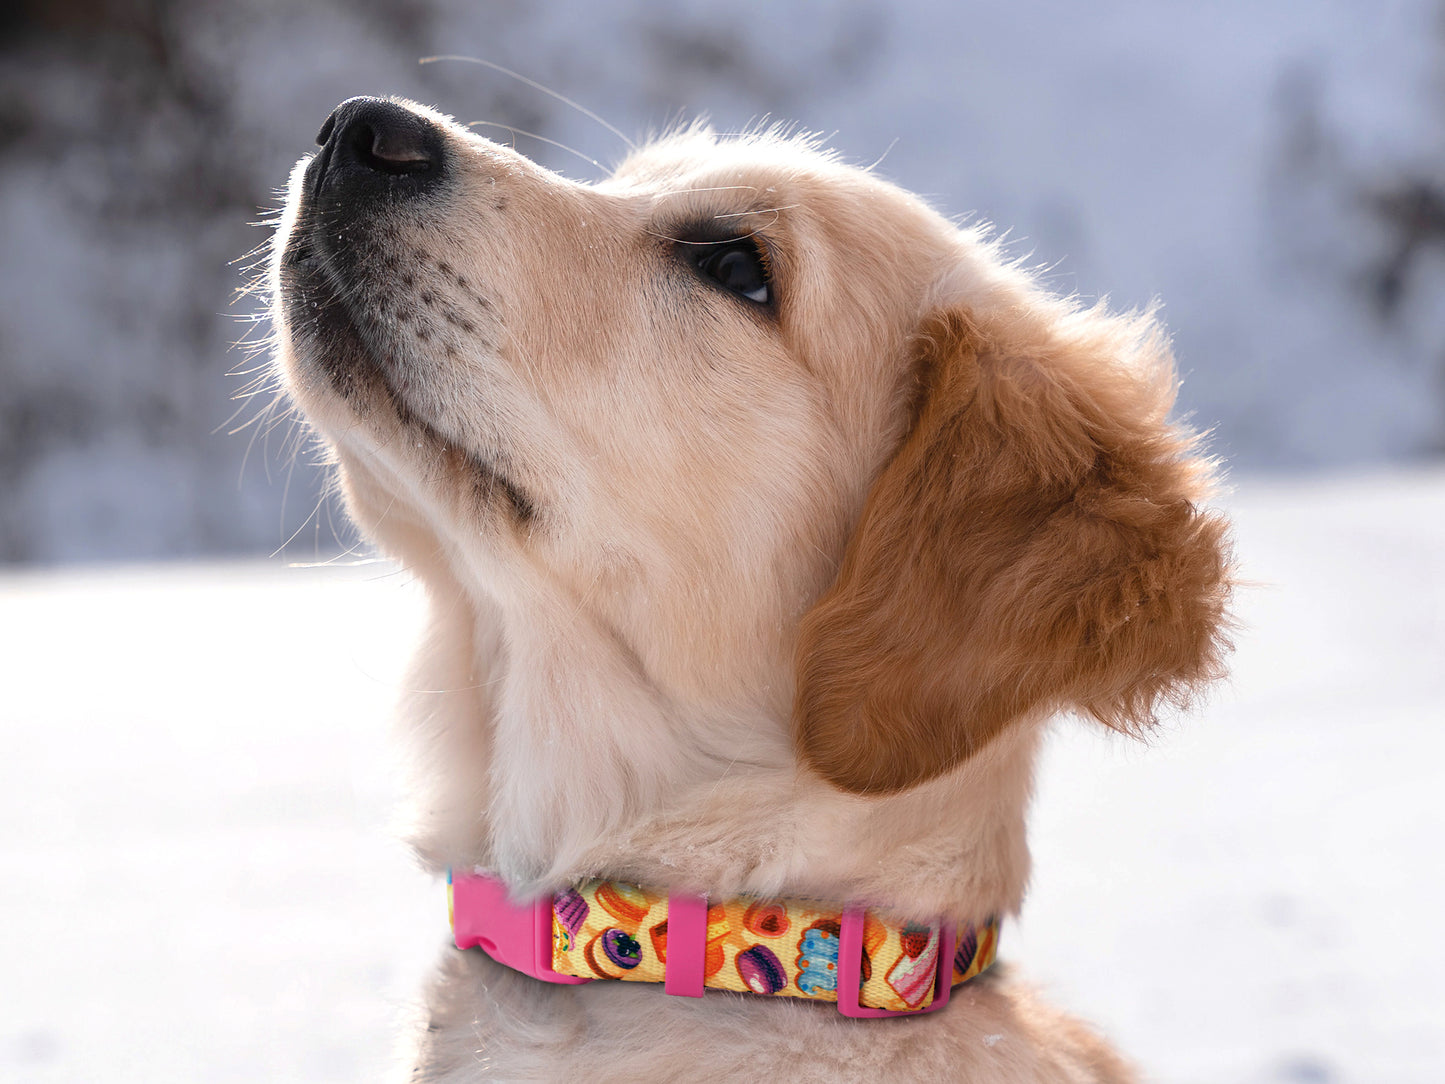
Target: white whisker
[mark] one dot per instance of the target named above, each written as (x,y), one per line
(759,211)
(535,86)
(739,237)
(879,160)
(717,188)
(540,138)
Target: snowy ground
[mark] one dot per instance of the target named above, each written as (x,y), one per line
(199,880)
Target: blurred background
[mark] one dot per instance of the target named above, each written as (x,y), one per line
(200,878)
(1270,169)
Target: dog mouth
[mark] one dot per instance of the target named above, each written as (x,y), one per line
(344,342)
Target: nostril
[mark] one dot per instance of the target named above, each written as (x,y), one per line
(389,149)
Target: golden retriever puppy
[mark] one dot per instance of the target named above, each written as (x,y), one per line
(765,517)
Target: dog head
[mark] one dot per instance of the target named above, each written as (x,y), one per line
(771,436)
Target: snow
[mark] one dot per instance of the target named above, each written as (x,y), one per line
(202,881)
(1257,897)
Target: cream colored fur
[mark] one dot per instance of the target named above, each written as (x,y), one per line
(609,682)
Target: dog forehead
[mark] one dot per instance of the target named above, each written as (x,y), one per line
(698,159)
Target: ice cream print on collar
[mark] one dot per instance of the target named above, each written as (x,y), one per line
(778,948)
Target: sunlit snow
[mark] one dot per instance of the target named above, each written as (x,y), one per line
(201,880)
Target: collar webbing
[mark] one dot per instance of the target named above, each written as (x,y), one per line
(785,948)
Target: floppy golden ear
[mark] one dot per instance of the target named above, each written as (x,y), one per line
(1033,545)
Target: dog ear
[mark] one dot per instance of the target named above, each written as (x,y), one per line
(1034,544)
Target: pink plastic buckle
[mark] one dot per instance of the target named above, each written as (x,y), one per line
(850,970)
(517,935)
(686,969)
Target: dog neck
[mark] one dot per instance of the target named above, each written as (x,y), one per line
(563,762)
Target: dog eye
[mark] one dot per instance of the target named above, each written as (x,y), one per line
(738,266)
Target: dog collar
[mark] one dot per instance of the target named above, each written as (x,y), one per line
(783,948)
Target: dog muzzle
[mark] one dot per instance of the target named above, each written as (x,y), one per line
(776,948)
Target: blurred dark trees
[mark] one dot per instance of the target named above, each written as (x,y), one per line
(133,167)
(140,141)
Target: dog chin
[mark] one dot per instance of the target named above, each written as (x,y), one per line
(325,341)
(334,357)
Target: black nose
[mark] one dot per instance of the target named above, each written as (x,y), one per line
(371,144)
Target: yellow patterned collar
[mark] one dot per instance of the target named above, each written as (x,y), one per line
(780,948)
